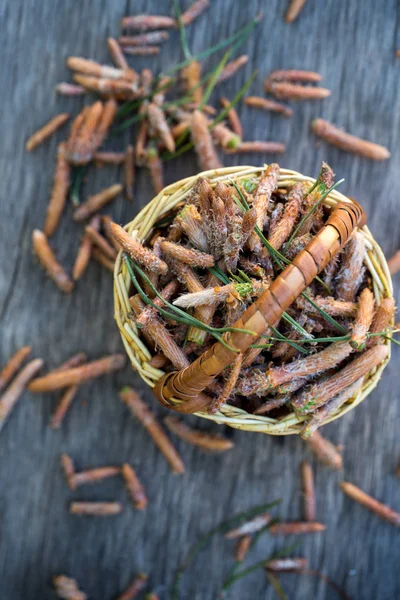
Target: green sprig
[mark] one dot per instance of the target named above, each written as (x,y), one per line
(221,528)
(264,346)
(219,274)
(329,340)
(169,155)
(235,99)
(244,276)
(330,319)
(311,211)
(128,123)
(182,32)
(283,338)
(177,314)
(261,563)
(213,80)
(276,584)
(76,185)
(188,97)
(240,36)
(297,326)
(127,107)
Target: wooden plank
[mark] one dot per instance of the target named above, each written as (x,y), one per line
(352,44)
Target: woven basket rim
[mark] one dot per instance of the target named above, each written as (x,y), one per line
(140,356)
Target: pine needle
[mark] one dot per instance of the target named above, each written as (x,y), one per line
(221,528)
(128,123)
(235,99)
(75,189)
(219,274)
(331,320)
(127,107)
(177,314)
(182,32)
(297,326)
(276,584)
(213,81)
(168,155)
(312,210)
(240,36)
(283,338)
(188,97)
(254,567)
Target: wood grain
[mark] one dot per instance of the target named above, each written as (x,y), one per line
(352,44)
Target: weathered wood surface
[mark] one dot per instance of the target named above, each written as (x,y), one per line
(352,44)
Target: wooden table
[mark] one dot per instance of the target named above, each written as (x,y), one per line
(353,45)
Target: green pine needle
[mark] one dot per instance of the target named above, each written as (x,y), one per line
(244,572)
(169,155)
(264,346)
(128,123)
(331,320)
(389,337)
(276,584)
(286,551)
(177,314)
(311,211)
(283,338)
(235,99)
(213,80)
(182,33)
(244,276)
(127,107)
(221,528)
(76,185)
(297,326)
(240,36)
(219,274)
(330,340)
(189,95)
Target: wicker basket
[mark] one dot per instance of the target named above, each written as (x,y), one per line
(140,356)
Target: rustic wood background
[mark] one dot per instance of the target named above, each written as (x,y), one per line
(352,44)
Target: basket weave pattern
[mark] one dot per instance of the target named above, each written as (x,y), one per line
(139,354)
